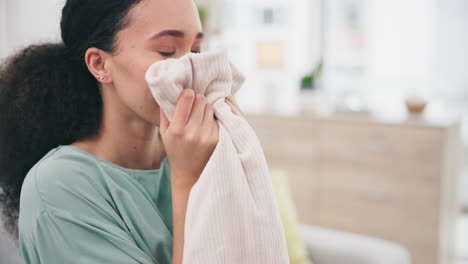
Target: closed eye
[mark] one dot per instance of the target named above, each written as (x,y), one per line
(167,54)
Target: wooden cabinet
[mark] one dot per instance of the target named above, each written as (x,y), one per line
(393,181)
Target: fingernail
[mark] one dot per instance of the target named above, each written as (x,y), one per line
(188,92)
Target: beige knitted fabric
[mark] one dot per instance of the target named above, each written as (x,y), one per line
(232,215)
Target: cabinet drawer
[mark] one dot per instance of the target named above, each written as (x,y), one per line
(293,141)
(399,176)
(381,145)
(303,183)
(410,222)
(412,193)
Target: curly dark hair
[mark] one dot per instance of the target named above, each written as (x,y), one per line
(49,98)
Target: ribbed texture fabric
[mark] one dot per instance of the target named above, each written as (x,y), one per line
(232,215)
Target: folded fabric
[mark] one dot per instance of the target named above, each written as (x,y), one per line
(232,215)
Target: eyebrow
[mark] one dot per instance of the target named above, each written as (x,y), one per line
(175,33)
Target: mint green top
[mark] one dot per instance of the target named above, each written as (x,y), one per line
(78,208)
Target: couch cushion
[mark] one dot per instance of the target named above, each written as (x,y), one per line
(296,248)
(328,246)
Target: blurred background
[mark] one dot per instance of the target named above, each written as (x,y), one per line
(360,104)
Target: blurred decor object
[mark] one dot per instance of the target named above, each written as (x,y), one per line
(271,15)
(270,59)
(202,12)
(352,104)
(297,250)
(270,54)
(309,81)
(311,99)
(415,105)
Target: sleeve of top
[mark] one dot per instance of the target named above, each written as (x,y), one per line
(62,238)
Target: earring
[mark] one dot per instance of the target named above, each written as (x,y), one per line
(100,77)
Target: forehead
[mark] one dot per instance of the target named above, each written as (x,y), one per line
(151,16)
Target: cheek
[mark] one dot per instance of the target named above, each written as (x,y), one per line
(130,75)
(147,107)
(130,84)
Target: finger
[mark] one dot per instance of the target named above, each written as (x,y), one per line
(230,98)
(163,122)
(233,108)
(183,109)
(233,100)
(208,116)
(198,109)
(215,130)
(229,101)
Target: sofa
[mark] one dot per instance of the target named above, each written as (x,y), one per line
(327,246)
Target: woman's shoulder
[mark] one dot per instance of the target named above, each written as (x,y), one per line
(57,181)
(62,166)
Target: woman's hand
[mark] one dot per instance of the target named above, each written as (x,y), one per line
(231,101)
(190,138)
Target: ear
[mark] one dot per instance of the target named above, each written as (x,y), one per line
(96,61)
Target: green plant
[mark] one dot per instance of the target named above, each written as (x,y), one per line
(308,80)
(202,12)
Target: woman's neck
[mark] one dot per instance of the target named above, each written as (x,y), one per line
(130,144)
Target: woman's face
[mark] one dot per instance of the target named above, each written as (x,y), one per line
(158,30)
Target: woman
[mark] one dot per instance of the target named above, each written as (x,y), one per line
(93,169)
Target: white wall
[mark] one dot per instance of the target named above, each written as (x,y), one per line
(28,21)
(415,46)
(451,56)
(401,49)
(2,29)
(299,31)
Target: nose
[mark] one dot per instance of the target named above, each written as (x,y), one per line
(184,52)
